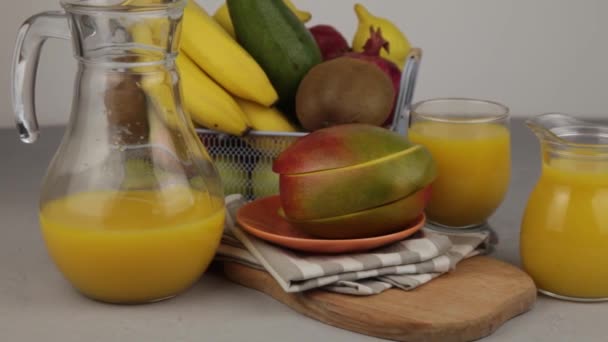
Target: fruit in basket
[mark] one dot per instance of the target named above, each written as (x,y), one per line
(399,45)
(155,85)
(345,169)
(207,103)
(371,53)
(264,182)
(222,58)
(381,220)
(331,42)
(222,16)
(279,42)
(270,145)
(234,178)
(344,90)
(265,118)
(140,174)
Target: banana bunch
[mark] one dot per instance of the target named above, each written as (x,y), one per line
(223,87)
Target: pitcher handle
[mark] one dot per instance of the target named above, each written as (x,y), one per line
(30,38)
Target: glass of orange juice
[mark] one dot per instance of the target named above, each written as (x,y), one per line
(470,142)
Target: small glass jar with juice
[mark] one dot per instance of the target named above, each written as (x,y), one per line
(564,233)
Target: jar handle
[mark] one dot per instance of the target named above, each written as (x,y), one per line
(30,38)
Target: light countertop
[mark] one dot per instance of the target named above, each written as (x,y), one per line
(37,304)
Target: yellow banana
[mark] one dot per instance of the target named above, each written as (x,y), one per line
(154,80)
(209,104)
(160,28)
(222,58)
(244,115)
(265,118)
(399,45)
(222,16)
(269,120)
(157,82)
(142,33)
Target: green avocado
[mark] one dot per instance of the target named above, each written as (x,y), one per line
(279,42)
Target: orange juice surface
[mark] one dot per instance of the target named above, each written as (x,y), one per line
(132,246)
(564,236)
(474,166)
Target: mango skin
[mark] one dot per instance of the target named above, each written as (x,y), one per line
(339,146)
(342,191)
(386,219)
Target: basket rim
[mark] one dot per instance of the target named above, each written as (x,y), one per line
(408,84)
(255,133)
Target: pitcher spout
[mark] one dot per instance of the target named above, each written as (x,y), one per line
(554,127)
(104,30)
(570,134)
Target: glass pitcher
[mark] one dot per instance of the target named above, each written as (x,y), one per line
(564,235)
(131,208)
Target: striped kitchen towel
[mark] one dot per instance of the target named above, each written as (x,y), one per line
(406,264)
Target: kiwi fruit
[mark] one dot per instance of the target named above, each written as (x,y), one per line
(342,91)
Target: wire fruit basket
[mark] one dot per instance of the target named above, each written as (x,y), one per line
(245,163)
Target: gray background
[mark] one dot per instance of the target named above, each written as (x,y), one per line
(535,56)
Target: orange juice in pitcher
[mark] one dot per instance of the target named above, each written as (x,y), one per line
(133,246)
(564,234)
(131,208)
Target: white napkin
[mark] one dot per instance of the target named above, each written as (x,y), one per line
(405,265)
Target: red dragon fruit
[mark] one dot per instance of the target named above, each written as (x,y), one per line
(371,53)
(330,41)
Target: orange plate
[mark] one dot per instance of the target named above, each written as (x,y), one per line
(260,218)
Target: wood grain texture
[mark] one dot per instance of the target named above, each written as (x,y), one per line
(464,305)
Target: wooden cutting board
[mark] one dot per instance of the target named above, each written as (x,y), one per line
(465,305)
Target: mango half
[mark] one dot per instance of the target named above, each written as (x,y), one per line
(386,219)
(346,169)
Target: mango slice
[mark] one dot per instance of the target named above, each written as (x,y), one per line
(386,219)
(339,146)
